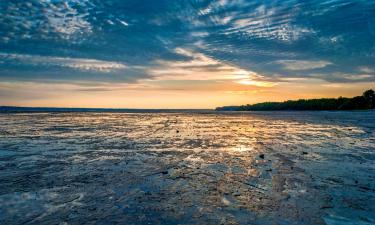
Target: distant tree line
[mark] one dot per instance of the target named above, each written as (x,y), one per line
(366,101)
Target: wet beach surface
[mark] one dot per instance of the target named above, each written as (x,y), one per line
(188,168)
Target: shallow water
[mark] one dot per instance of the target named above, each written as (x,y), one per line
(188,168)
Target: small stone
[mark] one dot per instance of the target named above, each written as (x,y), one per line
(365,188)
(326,207)
(261,156)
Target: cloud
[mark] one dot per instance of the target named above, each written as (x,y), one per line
(339,77)
(197,67)
(74,63)
(123,22)
(270,23)
(366,69)
(46,19)
(302,64)
(200,67)
(134,40)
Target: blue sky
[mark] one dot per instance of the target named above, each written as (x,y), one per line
(226,46)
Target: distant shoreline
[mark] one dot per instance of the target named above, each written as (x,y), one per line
(21,109)
(364,102)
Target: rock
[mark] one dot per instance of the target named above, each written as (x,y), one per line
(225,201)
(365,188)
(326,207)
(261,156)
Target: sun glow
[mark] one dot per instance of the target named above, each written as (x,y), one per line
(257,83)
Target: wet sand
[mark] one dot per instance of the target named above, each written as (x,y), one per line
(188,168)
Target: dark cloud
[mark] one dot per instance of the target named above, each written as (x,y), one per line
(121,40)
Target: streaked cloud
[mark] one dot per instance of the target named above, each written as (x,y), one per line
(74,63)
(302,64)
(365,69)
(200,67)
(271,23)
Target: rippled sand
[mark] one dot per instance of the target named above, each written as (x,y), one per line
(188,168)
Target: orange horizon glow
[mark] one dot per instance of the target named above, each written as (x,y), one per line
(169,94)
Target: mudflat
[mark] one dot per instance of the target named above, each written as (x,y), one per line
(188,168)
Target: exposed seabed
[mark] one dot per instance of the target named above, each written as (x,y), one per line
(188,168)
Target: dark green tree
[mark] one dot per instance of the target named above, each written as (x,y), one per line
(369,95)
(366,101)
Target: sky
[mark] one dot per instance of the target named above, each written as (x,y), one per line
(183,53)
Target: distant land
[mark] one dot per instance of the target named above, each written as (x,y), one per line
(364,102)
(18,109)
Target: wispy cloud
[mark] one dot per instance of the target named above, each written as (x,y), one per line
(260,20)
(303,64)
(338,77)
(123,22)
(365,69)
(200,67)
(74,63)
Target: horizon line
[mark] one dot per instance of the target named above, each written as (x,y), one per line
(97,108)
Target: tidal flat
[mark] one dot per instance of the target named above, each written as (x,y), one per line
(188,168)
